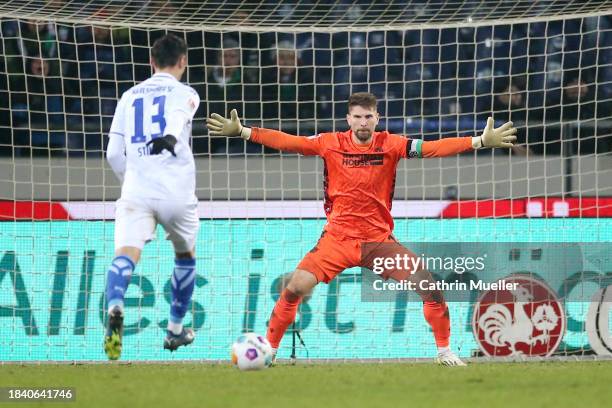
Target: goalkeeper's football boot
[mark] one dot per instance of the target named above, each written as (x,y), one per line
(114,334)
(448,358)
(172,341)
(273,358)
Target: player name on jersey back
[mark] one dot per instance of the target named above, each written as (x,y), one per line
(150,88)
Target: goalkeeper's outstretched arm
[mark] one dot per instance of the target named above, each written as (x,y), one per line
(220,126)
(502,137)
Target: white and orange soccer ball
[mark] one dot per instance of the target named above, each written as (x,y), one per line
(252,351)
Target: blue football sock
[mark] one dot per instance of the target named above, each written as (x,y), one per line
(183,281)
(117,281)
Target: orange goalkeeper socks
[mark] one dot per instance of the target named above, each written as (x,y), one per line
(438,318)
(282,316)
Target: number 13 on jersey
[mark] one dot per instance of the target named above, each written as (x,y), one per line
(139,135)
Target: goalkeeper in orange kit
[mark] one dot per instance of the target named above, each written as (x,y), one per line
(360,168)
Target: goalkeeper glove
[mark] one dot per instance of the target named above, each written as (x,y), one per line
(160,143)
(219,126)
(503,136)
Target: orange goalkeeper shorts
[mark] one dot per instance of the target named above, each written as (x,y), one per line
(332,255)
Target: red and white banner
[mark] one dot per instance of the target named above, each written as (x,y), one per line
(586,207)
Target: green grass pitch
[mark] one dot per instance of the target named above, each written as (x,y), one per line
(517,385)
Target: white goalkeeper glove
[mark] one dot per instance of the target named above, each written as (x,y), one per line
(219,126)
(503,136)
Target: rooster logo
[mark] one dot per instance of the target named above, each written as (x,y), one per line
(526,321)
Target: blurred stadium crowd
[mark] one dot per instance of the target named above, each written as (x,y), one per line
(59,82)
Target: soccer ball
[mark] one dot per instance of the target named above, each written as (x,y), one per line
(251,352)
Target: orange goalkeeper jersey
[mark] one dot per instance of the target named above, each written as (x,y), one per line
(359,181)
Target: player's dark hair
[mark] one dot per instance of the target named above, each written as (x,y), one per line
(167,50)
(364,99)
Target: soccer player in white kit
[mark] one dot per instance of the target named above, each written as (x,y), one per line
(149,152)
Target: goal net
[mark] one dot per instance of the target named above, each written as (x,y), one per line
(540,212)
